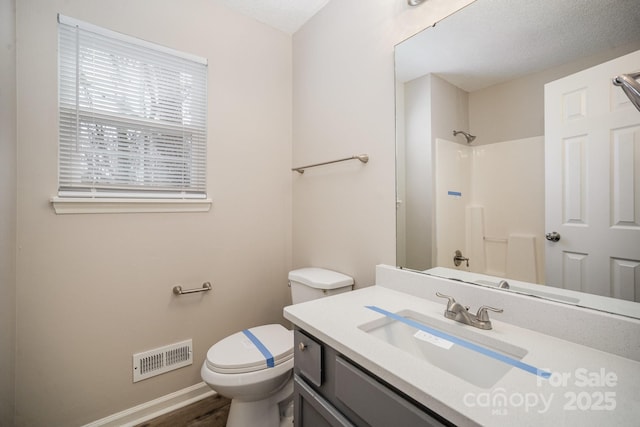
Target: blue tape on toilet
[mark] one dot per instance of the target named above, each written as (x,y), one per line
(471,346)
(264,350)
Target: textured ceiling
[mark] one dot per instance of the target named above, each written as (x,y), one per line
(285,15)
(537,34)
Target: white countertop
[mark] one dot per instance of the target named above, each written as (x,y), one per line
(530,400)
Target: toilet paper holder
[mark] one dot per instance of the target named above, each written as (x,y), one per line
(206,286)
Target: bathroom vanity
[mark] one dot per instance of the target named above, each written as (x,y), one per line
(386,355)
(330,390)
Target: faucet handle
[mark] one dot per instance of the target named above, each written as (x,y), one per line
(482,314)
(450,298)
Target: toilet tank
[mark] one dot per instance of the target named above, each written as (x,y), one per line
(313,283)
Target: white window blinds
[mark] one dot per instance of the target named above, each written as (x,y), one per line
(132,116)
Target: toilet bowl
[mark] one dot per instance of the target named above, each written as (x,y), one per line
(254,367)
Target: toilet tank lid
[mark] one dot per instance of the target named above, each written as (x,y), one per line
(320,278)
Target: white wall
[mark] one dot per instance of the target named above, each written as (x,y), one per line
(94,289)
(344,216)
(401,178)
(418,199)
(7,209)
(432,108)
(450,110)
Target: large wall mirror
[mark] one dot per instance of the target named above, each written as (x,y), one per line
(517,156)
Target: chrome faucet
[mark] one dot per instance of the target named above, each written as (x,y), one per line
(460,313)
(459,259)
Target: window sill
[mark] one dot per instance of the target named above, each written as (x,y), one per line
(68,205)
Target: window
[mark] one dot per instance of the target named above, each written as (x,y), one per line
(132,121)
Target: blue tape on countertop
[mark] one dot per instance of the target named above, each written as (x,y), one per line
(466,344)
(264,350)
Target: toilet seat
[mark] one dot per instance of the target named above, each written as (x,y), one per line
(241,353)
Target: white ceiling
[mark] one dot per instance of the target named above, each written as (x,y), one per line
(285,15)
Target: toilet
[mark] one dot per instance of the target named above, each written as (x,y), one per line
(254,367)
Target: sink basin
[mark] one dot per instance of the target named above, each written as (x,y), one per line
(474,356)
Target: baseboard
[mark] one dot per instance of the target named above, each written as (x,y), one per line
(155,408)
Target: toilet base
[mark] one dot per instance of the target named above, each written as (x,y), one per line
(286,415)
(263,413)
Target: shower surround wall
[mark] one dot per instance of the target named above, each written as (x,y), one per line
(490,205)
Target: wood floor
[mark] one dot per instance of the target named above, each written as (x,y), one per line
(210,412)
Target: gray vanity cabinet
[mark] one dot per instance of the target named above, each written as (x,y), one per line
(330,390)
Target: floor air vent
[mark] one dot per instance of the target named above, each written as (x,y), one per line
(160,360)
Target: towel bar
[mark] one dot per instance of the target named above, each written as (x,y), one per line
(362,157)
(206,286)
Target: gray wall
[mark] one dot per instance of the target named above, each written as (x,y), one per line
(93,289)
(344,104)
(7,209)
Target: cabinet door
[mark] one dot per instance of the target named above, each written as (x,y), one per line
(312,410)
(376,404)
(308,358)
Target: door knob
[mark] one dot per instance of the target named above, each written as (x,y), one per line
(554,236)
